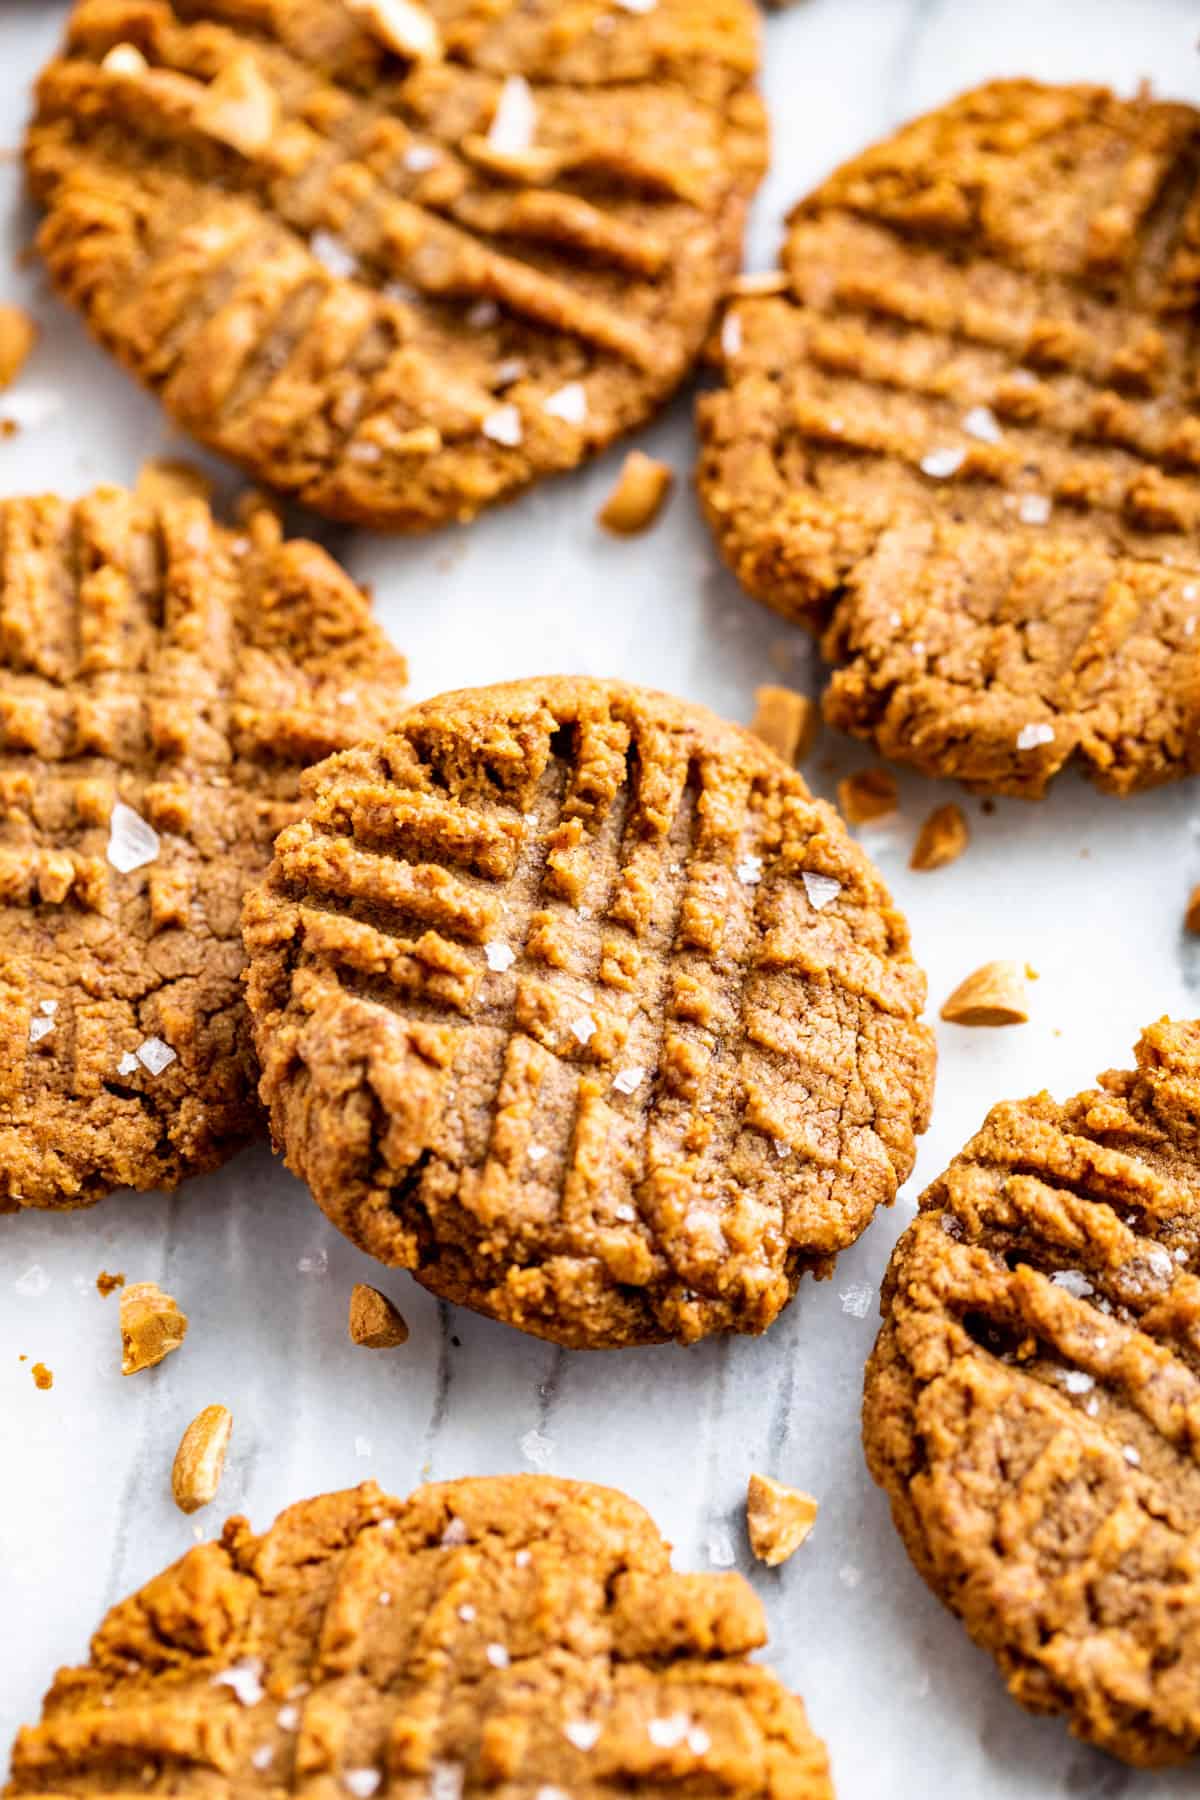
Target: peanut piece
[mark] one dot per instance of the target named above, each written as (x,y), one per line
(200,1459)
(152,1325)
(18,335)
(871,794)
(784,720)
(638,498)
(374,1321)
(1191,917)
(991,995)
(778,1519)
(942,838)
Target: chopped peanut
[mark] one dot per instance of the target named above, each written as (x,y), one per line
(942,838)
(991,995)
(18,335)
(200,1459)
(1191,917)
(785,720)
(638,498)
(871,794)
(778,1519)
(152,1325)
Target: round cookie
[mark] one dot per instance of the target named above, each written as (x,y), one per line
(163,681)
(961,440)
(571,999)
(400,260)
(1032,1405)
(487,1635)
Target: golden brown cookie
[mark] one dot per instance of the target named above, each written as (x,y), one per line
(571,999)
(962,442)
(519,1634)
(400,283)
(1032,1405)
(163,681)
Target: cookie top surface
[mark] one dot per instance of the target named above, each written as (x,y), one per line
(163,681)
(1033,1402)
(400,286)
(572,1000)
(510,1632)
(963,439)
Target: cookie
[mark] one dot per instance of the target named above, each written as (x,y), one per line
(1032,1405)
(163,681)
(400,260)
(521,1634)
(961,441)
(573,1001)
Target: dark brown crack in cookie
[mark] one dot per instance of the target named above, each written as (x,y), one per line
(962,441)
(572,1000)
(400,282)
(162,682)
(1033,1402)
(520,1635)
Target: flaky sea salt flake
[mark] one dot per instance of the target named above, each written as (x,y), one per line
(455,1533)
(981,423)
(1030,736)
(666,1733)
(128,1064)
(362,1783)
(856,1299)
(568,403)
(537,1448)
(1132,1456)
(1033,509)
(132,843)
(515,118)
(821,889)
(504,426)
(584,1028)
(264,1756)
(499,957)
(583,1733)
(749,870)
(497,1655)
(39,1028)
(155,1055)
(333,255)
(940,464)
(1074,1282)
(245,1678)
(628,1081)
(420,158)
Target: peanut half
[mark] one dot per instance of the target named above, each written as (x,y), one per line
(778,1519)
(991,995)
(152,1325)
(784,720)
(200,1459)
(942,838)
(638,498)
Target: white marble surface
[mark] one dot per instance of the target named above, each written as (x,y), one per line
(1088,889)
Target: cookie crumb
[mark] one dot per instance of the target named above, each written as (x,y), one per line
(991,995)
(170,478)
(942,838)
(639,495)
(870,794)
(1191,917)
(375,1323)
(43,1377)
(785,721)
(152,1325)
(778,1519)
(200,1459)
(18,335)
(107,1284)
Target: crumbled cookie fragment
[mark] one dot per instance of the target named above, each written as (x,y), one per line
(42,1376)
(162,479)
(200,1459)
(991,995)
(942,838)
(1191,917)
(868,795)
(152,1325)
(18,335)
(785,720)
(107,1284)
(778,1519)
(374,1321)
(639,496)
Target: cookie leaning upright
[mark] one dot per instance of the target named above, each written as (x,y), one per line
(481,1636)
(1032,1405)
(572,1000)
(400,260)
(162,683)
(962,440)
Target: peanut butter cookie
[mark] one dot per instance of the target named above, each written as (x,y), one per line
(572,1000)
(962,441)
(400,260)
(1033,1402)
(519,1634)
(163,681)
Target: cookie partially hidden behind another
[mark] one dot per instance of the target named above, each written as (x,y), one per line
(571,999)
(163,680)
(400,261)
(520,1635)
(1032,1405)
(963,442)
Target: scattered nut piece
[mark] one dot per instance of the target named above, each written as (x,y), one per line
(871,794)
(151,1326)
(42,1376)
(402,26)
(785,720)
(18,335)
(163,478)
(991,995)
(374,1321)
(638,498)
(1191,917)
(778,1519)
(942,838)
(240,108)
(107,1284)
(200,1459)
